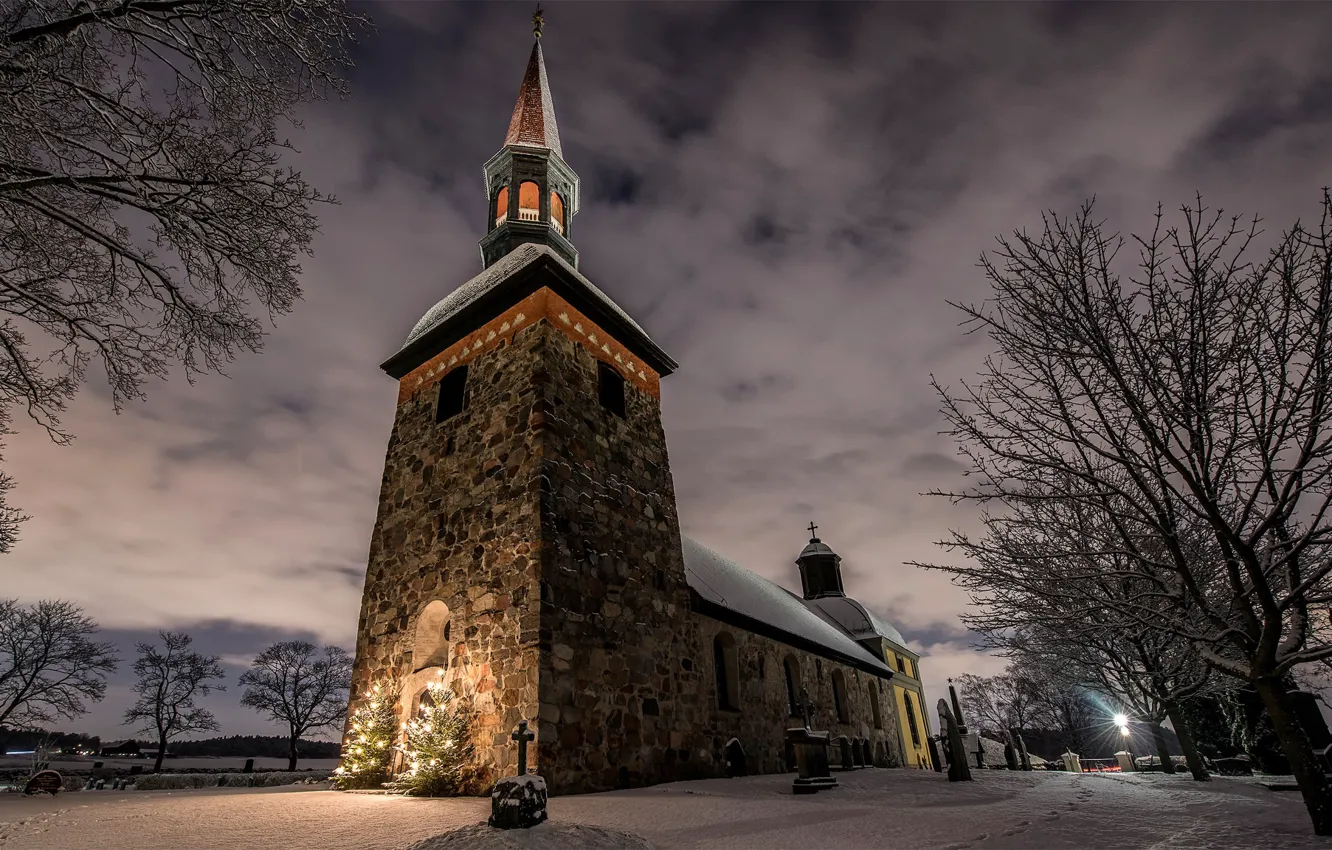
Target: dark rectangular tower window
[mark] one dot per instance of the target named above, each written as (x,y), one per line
(451,398)
(610,389)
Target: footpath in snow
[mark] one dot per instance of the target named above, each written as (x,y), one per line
(871,809)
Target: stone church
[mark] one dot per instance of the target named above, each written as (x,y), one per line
(527,545)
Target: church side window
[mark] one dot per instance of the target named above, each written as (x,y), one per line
(901,664)
(911,718)
(610,388)
(557,212)
(724,664)
(839,697)
(874,708)
(792,669)
(451,398)
(502,206)
(529,201)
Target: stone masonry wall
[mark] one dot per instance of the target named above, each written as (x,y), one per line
(762,718)
(458,522)
(616,605)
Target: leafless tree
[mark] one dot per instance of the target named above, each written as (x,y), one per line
(997,704)
(1195,393)
(297,684)
(51,665)
(1047,580)
(171,678)
(145,213)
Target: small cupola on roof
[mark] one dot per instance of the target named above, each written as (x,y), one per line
(820,569)
(532,191)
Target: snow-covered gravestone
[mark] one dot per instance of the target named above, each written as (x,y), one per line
(519,802)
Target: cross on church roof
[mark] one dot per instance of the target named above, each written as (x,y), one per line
(812,529)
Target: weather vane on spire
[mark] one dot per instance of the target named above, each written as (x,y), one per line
(537,22)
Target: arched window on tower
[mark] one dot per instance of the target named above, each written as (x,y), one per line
(557,212)
(502,206)
(726,670)
(839,697)
(792,668)
(430,644)
(529,201)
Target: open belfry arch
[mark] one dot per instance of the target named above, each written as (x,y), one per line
(527,547)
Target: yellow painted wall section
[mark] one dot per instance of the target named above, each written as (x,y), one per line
(916,756)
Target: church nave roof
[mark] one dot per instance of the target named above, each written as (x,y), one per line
(721,581)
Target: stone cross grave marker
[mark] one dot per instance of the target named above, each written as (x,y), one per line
(958,770)
(807,708)
(522,736)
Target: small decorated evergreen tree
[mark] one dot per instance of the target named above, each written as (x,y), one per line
(439,749)
(369,747)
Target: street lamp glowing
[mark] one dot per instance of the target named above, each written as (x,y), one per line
(1121,720)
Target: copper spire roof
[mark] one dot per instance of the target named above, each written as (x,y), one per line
(533,121)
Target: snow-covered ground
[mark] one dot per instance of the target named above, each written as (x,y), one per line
(871,809)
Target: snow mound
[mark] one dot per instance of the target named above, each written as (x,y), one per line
(547,836)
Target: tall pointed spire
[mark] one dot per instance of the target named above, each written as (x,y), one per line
(532,191)
(533,121)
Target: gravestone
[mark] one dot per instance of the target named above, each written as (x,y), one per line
(519,802)
(1023,755)
(736,763)
(957,708)
(811,751)
(1072,762)
(1010,756)
(958,771)
(843,746)
(857,754)
(936,755)
(249,766)
(44,781)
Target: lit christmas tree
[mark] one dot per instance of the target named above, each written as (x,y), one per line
(439,750)
(369,746)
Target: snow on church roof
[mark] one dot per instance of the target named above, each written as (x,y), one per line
(724,582)
(855,618)
(503,268)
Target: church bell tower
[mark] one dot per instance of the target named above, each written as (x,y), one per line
(526,546)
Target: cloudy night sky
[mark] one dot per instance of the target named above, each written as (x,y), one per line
(785,196)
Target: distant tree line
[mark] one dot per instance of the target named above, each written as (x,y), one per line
(258,746)
(52,666)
